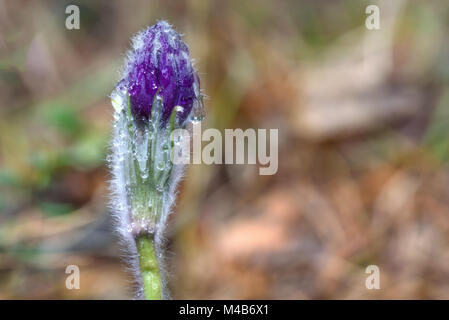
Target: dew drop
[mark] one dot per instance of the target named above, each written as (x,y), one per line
(117,100)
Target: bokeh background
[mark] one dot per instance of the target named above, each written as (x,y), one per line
(363,119)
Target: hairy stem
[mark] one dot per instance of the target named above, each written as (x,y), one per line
(149,267)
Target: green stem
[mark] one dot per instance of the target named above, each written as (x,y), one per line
(149,268)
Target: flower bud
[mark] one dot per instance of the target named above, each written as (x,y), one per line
(159,92)
(159,63)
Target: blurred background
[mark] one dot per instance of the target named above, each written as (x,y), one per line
(363,119)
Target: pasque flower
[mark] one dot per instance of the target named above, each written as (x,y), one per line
(159,92)
(160,64)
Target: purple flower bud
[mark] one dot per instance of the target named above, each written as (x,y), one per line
(159,62)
